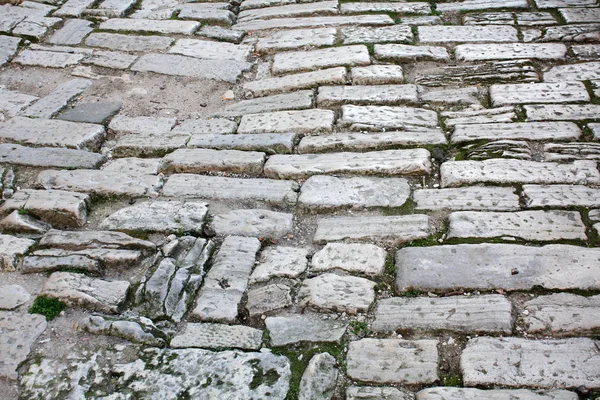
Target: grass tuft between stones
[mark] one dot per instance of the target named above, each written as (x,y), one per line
(47,306)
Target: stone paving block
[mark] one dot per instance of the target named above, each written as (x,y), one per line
(328,193)
(571,151)
(297,61)
(579,15)
(330,292)
(222,188)
(12,249)
(211,50)
(320,378)
(132,165)
(487,313)
(402,52)
(290,329)
(377,75)
(73,8)
(206,160)
(573,72)
(417,8)
(332,96)
(280,262)
(111,8)
(562,363)
(19,333)
(297,38)
(58,99)
(206,13)
(467,34)
(562,313)
(150,26)
(8,48)
(299,100)
(544,4)
(562,92)
(364,259)
(395,33)
(119,42)
(484,116)
(571,33)
(99,182)
(49,157)
(511,51)
(450,393)
(12,296)
(389,230)
(491,72)
(386,162)
(93,113)
(148,145)
(520,130)
(501,171)
(374,393)
(275,143)
(52,133)
(305,80)
(535,19)
(47,59)
(467,198)
(385,117)
(256,223)
(273,297)
(252,4)
(110,59)
(206,126)
(72,32)
(13,102)
(589,52)
(393,361)
(473,5)
(312,121)
(42,264)
(561,196)
(21,223)
(142,125)
(465,95)
(215,336)
(290,11)
(497,266)
(314,22)
(562,112)
(35,27)
(84,240)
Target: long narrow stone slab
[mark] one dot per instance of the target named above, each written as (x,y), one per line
(358,258)
(48,106)
(510,51)
(579,15)
(562,92)
(387,162)
(497,266)
(280,262)
(323,58)
(561,196)
(299,100)
(573,72)
(49,157)
(467,198)
(545,4)
(331,96)
(526,225)
(290,329)
(305,80)
(384,117)
(222,188)
(314,22)
(467,34)
(571,151)
(417,8)
(572,33)
(290,11)
(562,112)
(52,133)
(501,171)
(393,230)
(488,313)
(123,124)
(215,336)
(473,5)
(521,130)
(148,145)
(99,240)
(72,32)
(211,50)
(116,41)
(254,222)
(395,34)
(393,361)
(566,363)
(452,393)
(402,52)
(297,38)
(484,116)
(206,160)
(150,26)
(311,121)
(377,75)
(479,73)
(270,143)
(563,313)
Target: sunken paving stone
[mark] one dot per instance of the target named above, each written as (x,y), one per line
(210,50)
(488,313)
(374,393)
(214,336)
(562,313)
(390,230)
(275,143)
(337,293)
(328,193)
(396,34)
(48,59)
(141,25)
(81,240)
(574,72)
(563,92)
(293,82)
(82,291)
(313,328)
(314,22)
(116,41)
(364,259)
(502,171)
(304,121)
(562,363)
(473,5)
(418,8)
(256,223)
(13,102)
(35,264)
(226,282)
(12,296)
(158,216)
(294,39)
(486,72)
(320,378)
(467,34)
(324,58)
(497,266)
(387,162)
(511,51)
(19,333)
(142,125)
(206,126)
(223,188)
(268,298)
(331,96)
(451,393)
(402,52)
(48,106)
(393,361)
(562,112)
(483,116)
(384,117)
(467,198)
(49,157)
(521,130)
(561,196)
(206,160)
(12,249)
(72,32)
(280,262)
(98,182)
(279,102)
(93,113)
(290,10)
(59,208)
(52,133)
(148,145)
(377,75)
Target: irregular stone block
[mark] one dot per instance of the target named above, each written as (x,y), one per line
(297,38)
(93,113)
(19,332)
(305,121)
(12,296)
(316,59)
(8,47)
(305,80)
(22,223)
(364,259)
(401,52)
(330,292)
(205,160)
(562,92)
(12,250)
(562,313)
(386,118)
(281,262)
(331,96)
(256,223)
(268,298)
(520,130)
(110,258)
(312,328)
(215,336)
(511,51)
(320,378)
(561,196)
(110,59)
(490,72)
(141,125)
(467,198)
(80,240)
(13,102)
(58,99)
(313,22)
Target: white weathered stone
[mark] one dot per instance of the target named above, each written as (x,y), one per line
(312,328)
(141,25)
(393,361)
(36,264)
(579,15)
(562,313)
(256,223)
(134,166)
(510,51)
(331,96)
(102,240)
(60,97)
(8,47)
(395,33)
(287,101)
(211,50)
(451,393)
(73,8)
(319,379)
(520,130)
(290,11)
(13,102)
(561,196)
(35,27)
(488,313)
(364,259)
(12,250)
(280,262)
(497,266)
(467,34)
(48,59)
(377,75)
(418,8)
(544,4)
(472,5)
(268,298)
(119,42)
(384,117)
(573,72)
(465,95)
(206,126)
(467,198)
(294,39)
(123,124)
(484,116)
(148,145)
(208,13)
(571,151)
(402,52)
(72,32)
(330,292)
(214,336)
(304,121)
(110,59)
(19,333)
(49,157)
(589,52)
(12,296)
(314,22)
(322,193)
(305,80)
(377,393)
(269,143)
(206,160)
(489,72)
(562,92)
(562,112)
(324,58)
(500,171)
(566,363)
(22,223)
(571,33)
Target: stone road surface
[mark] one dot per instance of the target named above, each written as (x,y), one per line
(300,199)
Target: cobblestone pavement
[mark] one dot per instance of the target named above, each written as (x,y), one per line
(296,199)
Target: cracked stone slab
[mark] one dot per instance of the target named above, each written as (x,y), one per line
(48,59)
(330,292)
(305,80)
(571,33)
(214,336)
(571,151)
(312,121)
(12,249)
(270,143)
(450,393)
(561,196)
(520,130)
(467,198)
(49,157)
(290,11)
(573,72)
(589,52)
(377,75)
(211,50)
(366,259)
(320,378)
(256,223)
(474,5)
(376,393)
(331,96)
(510,51)
(395,33)
(402,52)
(296,38)
(467,34)
(281,262)
(312,328)
(314,22)
(323,193)
(393,361)
(497,266)
(514,362)
(488,313)
(19,332)
(386,117)
(562,112)
(207,160)
(490,72)
(12,296)
(288,101)
(58,99)
(562,92)
(150,26)
(268,298)
(298,61)
(35,264)
(387,162)
(501,171)
(119,42)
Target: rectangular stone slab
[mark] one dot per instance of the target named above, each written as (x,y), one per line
(498,266)
(380,117)
(392,230)
(330,96)
(143,25)
(562,92)
(304,121)
(467,34)
(561,196)
(418,8)
(510,51)
(49,157)
(290,329)
(314,22)
(80,240)
(573,72)
(296,38)
(545,4)
(403,52)
(387,162)
(275,143)
(489,72)
(519,130)
(288,101)
(500,171)
(214,336)
(467,198)
(393,361)
(305,80)
(290,11)
(562,112)
(324,58)
(562,313)
(206,160)
(488,313)
(58,99)
(453,393)
(115,41)
(360,35)
(515,362)
(472,5)
(211,50)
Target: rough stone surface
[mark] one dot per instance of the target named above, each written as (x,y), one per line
(213,336)
(467,34)
(273,297)
(377,75)
(316,59)
(281,262)
(12,249)
(376,393)
(19,332)
(375,118)
(141,25)
(116,41)
(561,196)
(270,143)
(256,223)
(285,330)
(12,296)
(319,378)
(358,35)
(93,113)
(206,160)
(364,259)
(80,240)
(401,52)
(305,121)
(449,393)
(279,102)
(293,39)
(467,198)
(512,51)
(314,22)
(305,80)
(561,112)
(330,292)
(562,92)
(562,313)
(331,96)
(521,130)
(211,50)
